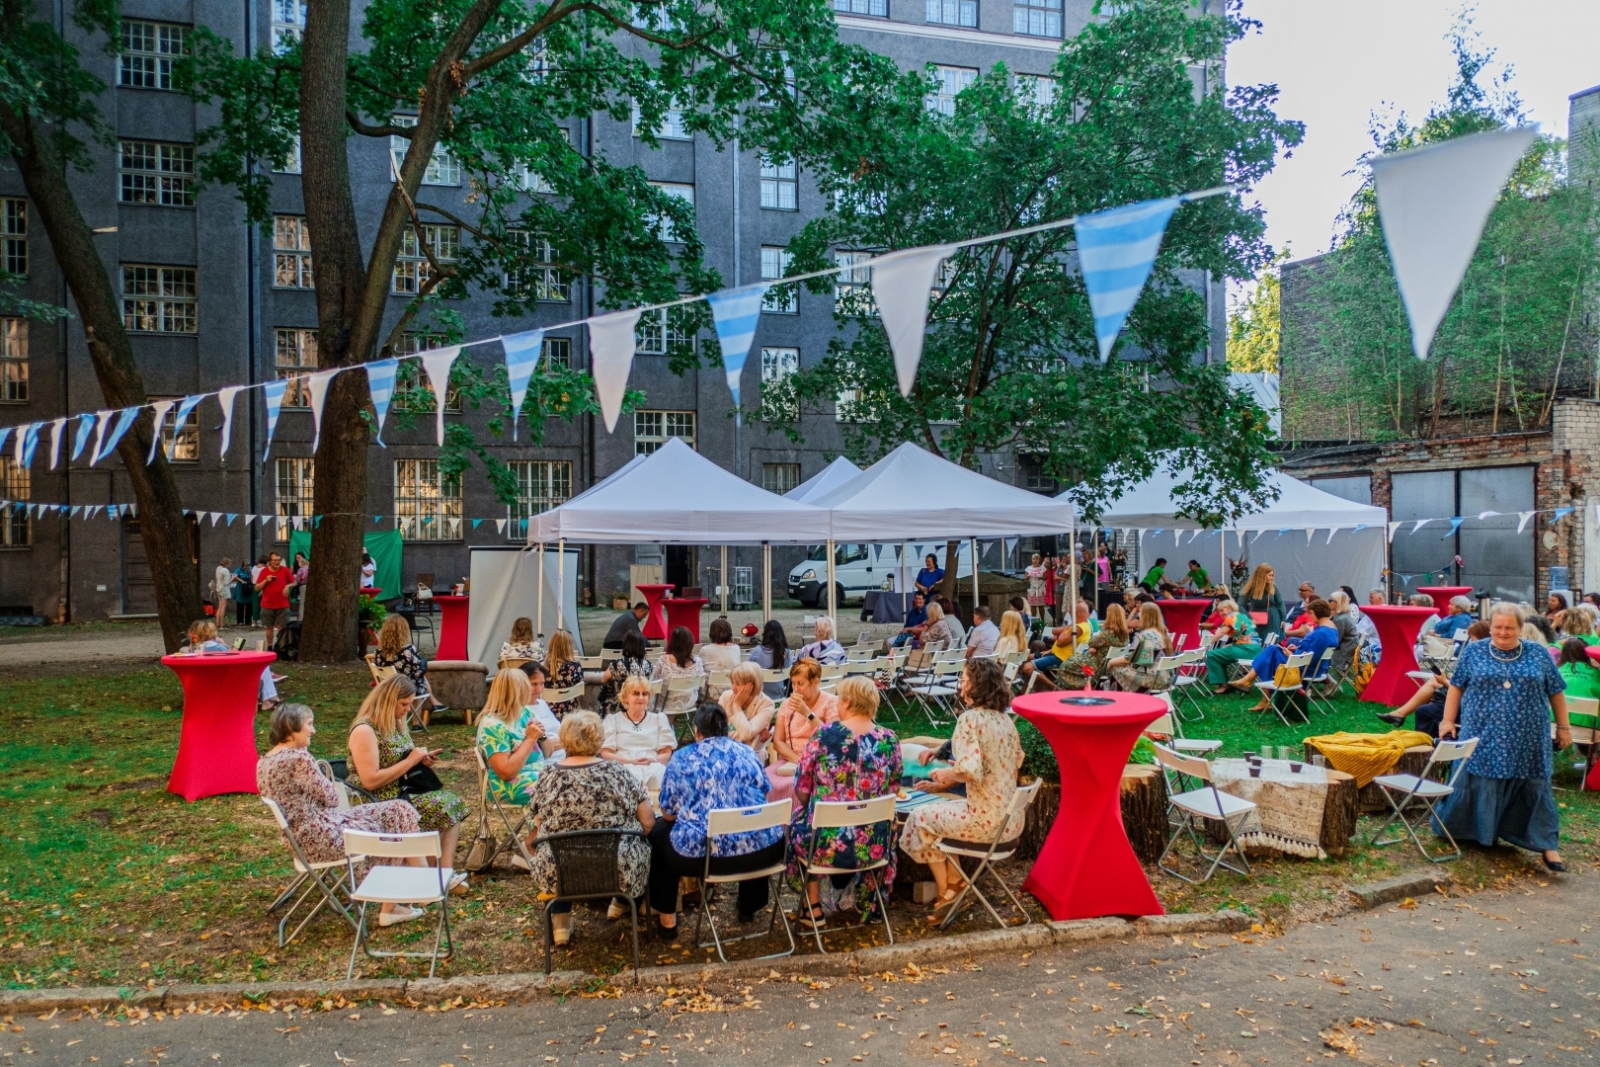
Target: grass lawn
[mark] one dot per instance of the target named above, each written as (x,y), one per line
(110,880)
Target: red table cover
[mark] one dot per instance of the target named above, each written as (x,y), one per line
(1087,868)
(1397,630)
(655,624)
(1183,617)
(685,611)
(1441,595)
(217,746)
(452,627)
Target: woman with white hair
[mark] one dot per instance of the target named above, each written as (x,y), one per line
(1503,692)
(825,650)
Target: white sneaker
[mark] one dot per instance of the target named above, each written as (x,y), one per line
(561,927)
(617,910)
(403,914)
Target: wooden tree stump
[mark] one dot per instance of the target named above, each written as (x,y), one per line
(1144,814)
(1339,814)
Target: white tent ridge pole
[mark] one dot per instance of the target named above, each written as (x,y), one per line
(539,608)
(766,583)
(1072,575)
(561,584)
(833,606)
(974,576)
(1222,535)
(723,581)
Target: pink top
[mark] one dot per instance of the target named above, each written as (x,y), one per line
(803,721)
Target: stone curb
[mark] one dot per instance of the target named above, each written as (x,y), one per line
(1414,884)
(511,987)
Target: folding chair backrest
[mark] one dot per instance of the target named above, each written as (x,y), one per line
(1300,661)
(592,663)
(834,813)
(776,674)
(1193,766)
(423,845)
(832,670)
(277,814)
(949,667)
(1206,641)
(1164,725)
(863,651)
(919,660)
(722,821)
(344,793)
(1168,663)
(1177,644)
(1450,752)
(685,682)
(1011,671)
(562,696)
(947,655)
(720,679)
(1023,797)
(586,861)
(861,666)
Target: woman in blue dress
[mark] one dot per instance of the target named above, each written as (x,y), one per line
(1502,692)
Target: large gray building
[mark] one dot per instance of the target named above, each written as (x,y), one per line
(213,302)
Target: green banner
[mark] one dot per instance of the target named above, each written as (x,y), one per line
(383,546)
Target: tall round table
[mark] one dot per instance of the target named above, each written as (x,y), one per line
(452,627)
(1441,596)
(1397,630)
(685,612)
(217,745)
(1087,868)
(1183,617)
(655,624)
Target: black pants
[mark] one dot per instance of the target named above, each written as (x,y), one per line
(667,866)
(1429,716)
(241,613)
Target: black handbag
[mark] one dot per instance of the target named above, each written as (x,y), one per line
(418,781)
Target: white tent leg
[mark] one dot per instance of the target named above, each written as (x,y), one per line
(538,626)
(561,584)
(766,582)
(833,604)
(1072,575)
(1222,536)
(724,581)
(975,562)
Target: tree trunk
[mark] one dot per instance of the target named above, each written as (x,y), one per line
(952,564)
(161,521)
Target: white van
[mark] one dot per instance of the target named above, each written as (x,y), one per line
(859,569)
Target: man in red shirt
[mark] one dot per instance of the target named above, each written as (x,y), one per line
(273,582)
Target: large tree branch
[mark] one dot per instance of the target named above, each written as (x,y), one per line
(384,130)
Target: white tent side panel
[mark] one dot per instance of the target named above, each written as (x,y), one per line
(505,586)
(1353,558)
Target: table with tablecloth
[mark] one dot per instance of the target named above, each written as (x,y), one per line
(1290,804)
(881,606)
(217,741)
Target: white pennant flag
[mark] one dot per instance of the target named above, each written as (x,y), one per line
(1433,202)
(1331,531)
(437,363)
(1177,538)
(101,420)
(161,407)
(1486,515)
(900,285)
(215,516)
(611,345)
(1524,516)
(225,397)
(317,386)
(1420,524)
(1309,531)
(57,429)
(1393,526)
(499,526)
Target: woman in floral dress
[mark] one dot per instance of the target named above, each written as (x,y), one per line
(562,670)
(382,754)
(288,775)
(1089,663)
(679,661)
(1035,575)
(851,759)
(1136,672)
(509,737)
(986,754)
(631,664)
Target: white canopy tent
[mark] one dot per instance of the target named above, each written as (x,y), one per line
(824,481)
(914,495)
(1306,534)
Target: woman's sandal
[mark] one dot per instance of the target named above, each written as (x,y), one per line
(942,908)
(813,918)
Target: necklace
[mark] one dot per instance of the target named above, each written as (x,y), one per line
(1495,654)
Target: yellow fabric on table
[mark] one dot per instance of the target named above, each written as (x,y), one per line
(1366,756)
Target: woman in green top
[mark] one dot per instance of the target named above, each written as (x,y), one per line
(1577,670)
(1197,578)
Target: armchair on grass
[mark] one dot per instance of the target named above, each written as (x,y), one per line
(459,684)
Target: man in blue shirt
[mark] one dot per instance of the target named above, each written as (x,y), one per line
(916,618)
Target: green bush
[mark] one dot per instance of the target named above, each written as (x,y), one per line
(1039,761)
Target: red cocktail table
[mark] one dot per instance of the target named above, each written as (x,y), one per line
(1183,617)
(655,625)
(1087,867)
(217,745)
(1441,595)
(685,611)
(452,627)
(1397,630)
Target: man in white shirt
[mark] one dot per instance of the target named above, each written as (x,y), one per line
(984,635)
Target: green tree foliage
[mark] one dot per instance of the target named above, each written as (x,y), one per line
(1253,325)
(1518,334)
(1010,360)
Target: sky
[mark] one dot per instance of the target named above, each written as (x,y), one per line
(1337,63)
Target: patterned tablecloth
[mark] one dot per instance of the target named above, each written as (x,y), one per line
(1289,805)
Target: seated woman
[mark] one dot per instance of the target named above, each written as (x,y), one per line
(720,656)
(1136,672)
(825,650)
(807,710)
(631,664)
(1064,640)
(680,662)
(773,654)
(986,754)
(522,644)
(396,650)
(387,765)
(851,759)
(583,791)
(509,736)
(750,711)
(562,670)
(1236,642)
(310,802)
(714,772)
(1221,611)
(937,630)
(1013,635)
(1577,669)
(637,738)
(1319,643)
(203,639)
(1089,662)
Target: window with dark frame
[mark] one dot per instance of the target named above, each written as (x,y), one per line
(14,235)
(150,51)
(293,492)
(159,299)
(16,529)
(155,172)
(296,355)
(427,502)
(13,360)
(291,253)
(541,485)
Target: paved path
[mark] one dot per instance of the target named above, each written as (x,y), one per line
(1503,976)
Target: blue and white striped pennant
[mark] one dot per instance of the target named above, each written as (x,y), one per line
(188,404)
(522,359)
(106,445)
(1116,250)
(736,313)
(380,386)
(272,393)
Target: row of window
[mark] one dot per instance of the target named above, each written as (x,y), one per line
(1031,18)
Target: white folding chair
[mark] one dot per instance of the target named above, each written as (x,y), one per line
(1171,725)
(325,879)
(1318,682)
(1403,790)
(862,666)
(862,652)
(1298,661)
(722,822)
(692,683)
(592,663)
(940,689)
(996,851)
(1207,803)
(571,693)
(837,814)
(516,829)
(1187,682)
(400,885)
